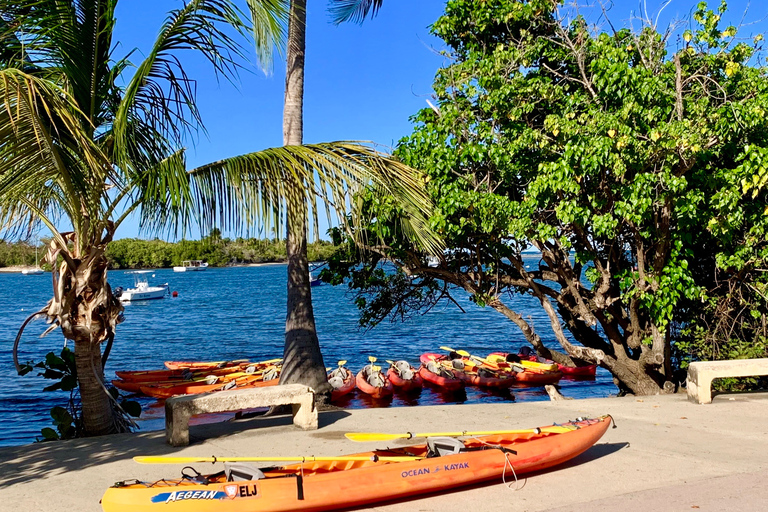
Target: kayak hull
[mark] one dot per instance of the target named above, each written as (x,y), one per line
(363,482)
(503,381)
(440,382)
(374,391)
(405,385)
(347,386)
(578,371)
(530,376)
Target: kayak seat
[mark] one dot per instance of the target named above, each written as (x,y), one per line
(239,472)
(336,382)
(441,446)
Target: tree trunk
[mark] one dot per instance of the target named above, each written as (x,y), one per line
(293,108)
(302,359)
(98,415)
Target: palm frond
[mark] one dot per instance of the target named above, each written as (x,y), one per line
(261,186)
(160,93)
(47,161)
(355,11)
(270,27)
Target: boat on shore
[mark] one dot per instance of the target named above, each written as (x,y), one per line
(141,288)
(191,266)
(443,463)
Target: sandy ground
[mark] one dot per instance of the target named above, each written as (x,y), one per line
(666,454)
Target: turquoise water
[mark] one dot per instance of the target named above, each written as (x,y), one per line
(239,312)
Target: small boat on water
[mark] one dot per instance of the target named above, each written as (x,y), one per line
(470,372)
(443,463)
(585,371)
(238,380)
(531,376)
(142,290)
(404,376)
(33,271)
(372,381)
(191,266)
(342,381)
(439,376)
(314,281)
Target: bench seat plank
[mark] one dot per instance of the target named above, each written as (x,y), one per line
(702,373)
(178,410)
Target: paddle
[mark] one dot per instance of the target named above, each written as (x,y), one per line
(300,458)
(488,362)
(374,368)
(366,436)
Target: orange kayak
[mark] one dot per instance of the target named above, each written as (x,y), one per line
(471,373)
(373,383)
(525,376)
(404,376)
(442,378)
(193,388)
(202,365)
(342,382)
(362,479)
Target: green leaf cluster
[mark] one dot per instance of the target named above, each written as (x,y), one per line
(631,163)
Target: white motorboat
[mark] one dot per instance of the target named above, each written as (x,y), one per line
(191,266)
(142,290)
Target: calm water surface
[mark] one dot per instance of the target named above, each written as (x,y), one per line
(235,313)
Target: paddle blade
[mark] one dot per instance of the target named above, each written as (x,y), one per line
(362,437)
(342,363)
(372,359)
(448,349)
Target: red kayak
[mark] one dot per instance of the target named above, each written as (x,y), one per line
(435,373)
(523,375)
(471,373)
(342,382)
(404,376)
(371,381)
(578,371)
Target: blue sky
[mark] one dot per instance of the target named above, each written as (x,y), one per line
(362,82)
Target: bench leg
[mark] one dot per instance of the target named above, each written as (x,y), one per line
(305,413)
(177,427)
(699,388)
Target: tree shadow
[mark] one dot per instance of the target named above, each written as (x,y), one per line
(38,460)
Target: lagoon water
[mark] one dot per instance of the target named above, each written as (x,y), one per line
(239,312)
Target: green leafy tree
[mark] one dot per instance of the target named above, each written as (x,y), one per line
(77,144)
(628,160)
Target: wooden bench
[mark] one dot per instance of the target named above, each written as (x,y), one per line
(701,374)
(178,410)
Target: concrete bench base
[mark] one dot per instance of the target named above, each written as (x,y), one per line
(701,374)
(179,410)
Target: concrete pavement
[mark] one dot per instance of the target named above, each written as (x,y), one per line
(666,454)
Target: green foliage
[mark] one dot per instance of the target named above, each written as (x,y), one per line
(63,370)
(643,160)
(135,253)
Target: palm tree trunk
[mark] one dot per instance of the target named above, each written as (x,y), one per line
(98,414)
(302,359)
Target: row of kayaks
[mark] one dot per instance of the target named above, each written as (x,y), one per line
(444,372)
(450,372)
(189,378)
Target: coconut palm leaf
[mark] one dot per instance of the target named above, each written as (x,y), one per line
(270,20)
(261,186)
(353,10)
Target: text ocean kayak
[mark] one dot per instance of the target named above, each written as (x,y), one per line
(316,486)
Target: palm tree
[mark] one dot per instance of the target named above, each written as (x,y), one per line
(77,146)
(302,358)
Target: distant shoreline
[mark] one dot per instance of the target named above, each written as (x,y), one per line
(17,269)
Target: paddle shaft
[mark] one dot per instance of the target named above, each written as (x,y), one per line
(365,436)
(189,460)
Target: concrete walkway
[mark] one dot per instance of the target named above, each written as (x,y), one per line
(666,455)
